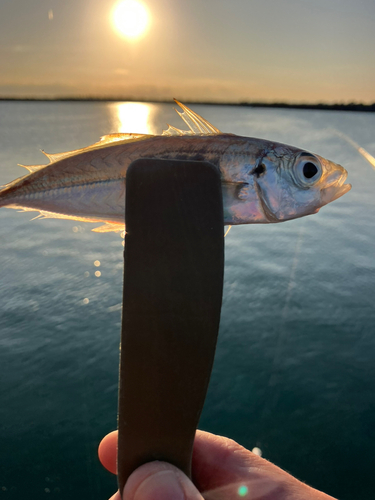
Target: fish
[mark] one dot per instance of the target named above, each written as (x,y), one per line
(262,181)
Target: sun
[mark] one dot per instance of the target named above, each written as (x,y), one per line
(130,18)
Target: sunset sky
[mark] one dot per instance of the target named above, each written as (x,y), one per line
(216,50)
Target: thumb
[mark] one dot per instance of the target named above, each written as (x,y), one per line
(159,481)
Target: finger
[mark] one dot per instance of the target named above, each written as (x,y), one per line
(223,469)
(219,461)
(159,481)
(107,452)
(116,496)
(153,481)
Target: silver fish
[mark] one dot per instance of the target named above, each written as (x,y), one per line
(262,181)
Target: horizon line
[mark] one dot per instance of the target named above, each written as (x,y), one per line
(351,106)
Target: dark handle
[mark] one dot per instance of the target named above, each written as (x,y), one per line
(173,279)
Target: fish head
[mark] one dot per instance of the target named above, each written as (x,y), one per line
(292,183)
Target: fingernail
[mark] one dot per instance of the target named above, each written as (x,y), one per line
(162,485)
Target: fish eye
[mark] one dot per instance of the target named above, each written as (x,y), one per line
(308,169)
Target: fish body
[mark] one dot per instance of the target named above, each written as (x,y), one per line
(262,181)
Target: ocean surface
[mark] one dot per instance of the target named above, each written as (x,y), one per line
(294,372)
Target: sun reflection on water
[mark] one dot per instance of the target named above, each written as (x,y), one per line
(133,117)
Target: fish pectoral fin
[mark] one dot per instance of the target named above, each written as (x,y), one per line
(117,227)
(196,124)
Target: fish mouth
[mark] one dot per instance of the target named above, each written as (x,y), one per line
(335,190)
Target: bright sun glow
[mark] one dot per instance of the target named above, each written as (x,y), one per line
(130,18)
(133,117)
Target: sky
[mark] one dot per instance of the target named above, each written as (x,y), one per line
(196,50)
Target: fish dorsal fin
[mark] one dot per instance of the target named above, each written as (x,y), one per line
(196,124)
(106,139)
(58,156)
(176,131)
(32,168)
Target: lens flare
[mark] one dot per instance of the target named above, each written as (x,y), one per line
(130,18)
(243,491)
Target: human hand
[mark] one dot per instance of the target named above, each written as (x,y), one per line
(222,470)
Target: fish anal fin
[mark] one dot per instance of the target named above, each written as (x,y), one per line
(117,227)
(52,215)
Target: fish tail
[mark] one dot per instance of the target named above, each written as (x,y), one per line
(7,196)
(4,198)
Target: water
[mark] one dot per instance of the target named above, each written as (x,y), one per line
(294,371)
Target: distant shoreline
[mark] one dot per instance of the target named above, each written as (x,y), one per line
(284,105)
